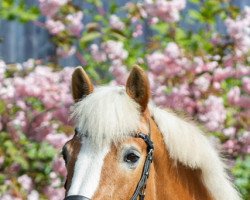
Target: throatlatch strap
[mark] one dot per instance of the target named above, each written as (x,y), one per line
(140,189)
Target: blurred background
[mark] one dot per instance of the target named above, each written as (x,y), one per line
(196,54)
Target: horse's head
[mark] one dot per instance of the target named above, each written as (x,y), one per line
(110,154)
(107,156)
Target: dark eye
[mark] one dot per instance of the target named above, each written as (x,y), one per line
(131,158)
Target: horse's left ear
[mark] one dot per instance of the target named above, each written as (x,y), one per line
(81,84)
(138,87)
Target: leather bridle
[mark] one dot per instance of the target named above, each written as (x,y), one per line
(140,189)
(141,186)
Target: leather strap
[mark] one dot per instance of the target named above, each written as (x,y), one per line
(76,197)
(140,189)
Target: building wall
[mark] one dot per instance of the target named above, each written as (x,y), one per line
(23,41)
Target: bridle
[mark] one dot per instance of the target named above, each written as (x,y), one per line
(140,189)
(141,186)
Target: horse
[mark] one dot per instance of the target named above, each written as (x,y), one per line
(125,147)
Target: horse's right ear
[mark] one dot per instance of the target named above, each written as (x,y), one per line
(138,88)
(81,84)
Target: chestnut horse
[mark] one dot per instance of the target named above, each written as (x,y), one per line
(123,143)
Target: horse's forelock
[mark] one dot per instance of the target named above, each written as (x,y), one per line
(107,115)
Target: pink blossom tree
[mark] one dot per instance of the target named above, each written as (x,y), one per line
(201,72)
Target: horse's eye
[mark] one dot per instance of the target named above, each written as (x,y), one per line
(131,158)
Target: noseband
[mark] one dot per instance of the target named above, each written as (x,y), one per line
(141,186)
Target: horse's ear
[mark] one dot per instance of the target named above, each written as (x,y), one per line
(138,87)
(81,84)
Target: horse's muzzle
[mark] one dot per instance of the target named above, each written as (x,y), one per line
(76,197)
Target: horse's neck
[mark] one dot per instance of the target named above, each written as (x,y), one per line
(171,180)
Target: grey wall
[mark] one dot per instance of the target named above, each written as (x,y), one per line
(24,41)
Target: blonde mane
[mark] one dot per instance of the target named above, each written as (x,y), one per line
(110,115)
(187,144)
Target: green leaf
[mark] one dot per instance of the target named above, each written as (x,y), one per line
(194,1)
(180,34)
(118,35)
(88,37)
(241,171)
(2,107)
(98,3)
(32,153)
(18,10)
(195,15)
(2,178)
(162,28)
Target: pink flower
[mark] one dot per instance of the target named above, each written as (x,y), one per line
(245,140)
(212,113)
(167,11)
(232,146)
(179,99)
(2,70)
(234,95)
(244,102)
(26,182)
(97,54)
(203,82)
(200,66)
(120,72)
(235,98)
(57,140)
(172,50)
(239,30)
(246,84)
(153,20)
(9,197)
(229,132)
(114,50)
(54,26)
(65,52)
(221,74)
(138,30)
(55,181)
(7,90)
(33,195)
(54,193)
(20,120)
(14,126)
(170,63)
(1,161)
(50,7)
(116,23)
(157,62)
(75,24)
(228,60)
(59,167)
(242,70)
(63,114)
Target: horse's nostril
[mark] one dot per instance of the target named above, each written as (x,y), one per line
(76,197)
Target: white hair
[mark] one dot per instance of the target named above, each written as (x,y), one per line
(108,114)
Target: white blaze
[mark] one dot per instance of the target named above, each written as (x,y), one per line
(87,171)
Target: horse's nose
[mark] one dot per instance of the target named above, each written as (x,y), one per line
(76,197)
